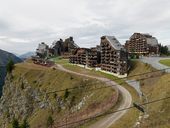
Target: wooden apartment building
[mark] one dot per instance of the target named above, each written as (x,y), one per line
(114,57)
(142,44)
(110,56)
(85,56)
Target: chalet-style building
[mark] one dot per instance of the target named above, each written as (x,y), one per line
(87,57)
(43,50)
(142,44)
(114,58)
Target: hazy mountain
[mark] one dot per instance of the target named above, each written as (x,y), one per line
(6,56)
(27,55)
(4,59)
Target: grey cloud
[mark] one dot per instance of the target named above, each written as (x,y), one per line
(85,20)
(4,26)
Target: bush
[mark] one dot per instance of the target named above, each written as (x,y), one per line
(10,66)
(50,122)
(25,124)
(163,50)
(15,123)
(73,100)
(66,95)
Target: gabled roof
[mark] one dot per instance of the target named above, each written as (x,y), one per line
(75,45)
(114,42)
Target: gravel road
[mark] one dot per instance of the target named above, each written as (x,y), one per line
(154,61)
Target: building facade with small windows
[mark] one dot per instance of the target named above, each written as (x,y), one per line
(142,44)
(114,58)
(89,57)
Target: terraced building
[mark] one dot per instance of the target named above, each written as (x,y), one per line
(114,58)
(142,44)
(89,57)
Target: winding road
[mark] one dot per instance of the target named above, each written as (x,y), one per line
(154,61)
(108,120)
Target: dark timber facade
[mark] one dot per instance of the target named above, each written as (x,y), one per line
(114,57)
(110,56)
(87,57)
(61,47)
(142,44)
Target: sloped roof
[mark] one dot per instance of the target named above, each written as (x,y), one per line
(75,45)
(152,41)
(114,42)
(149,38)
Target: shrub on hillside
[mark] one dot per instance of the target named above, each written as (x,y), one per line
(10,66)
(50,122)
(15,123)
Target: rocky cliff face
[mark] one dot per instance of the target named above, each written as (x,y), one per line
(26,94)
(14,102)
(20,100)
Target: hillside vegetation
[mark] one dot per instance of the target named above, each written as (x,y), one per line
(165,62)
(130,117)
(29,90)
(4,59)
(156,86)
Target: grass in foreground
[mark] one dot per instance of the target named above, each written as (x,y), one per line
(165,62)
(154,88)
(47,79)
(130,117)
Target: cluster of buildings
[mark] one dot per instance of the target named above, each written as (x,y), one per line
(110,56)
(57,48)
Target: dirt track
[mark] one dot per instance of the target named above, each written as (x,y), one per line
(107,121)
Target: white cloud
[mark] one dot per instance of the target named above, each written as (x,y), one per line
(2,37)
(17,40)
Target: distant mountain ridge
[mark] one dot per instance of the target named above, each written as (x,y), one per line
(6,56)
(27,55)
(4,59)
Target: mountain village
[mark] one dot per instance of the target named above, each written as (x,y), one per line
(110,56)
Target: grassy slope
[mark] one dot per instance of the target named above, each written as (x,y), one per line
(155,88)
(49,80)
(165,62)
(129,119)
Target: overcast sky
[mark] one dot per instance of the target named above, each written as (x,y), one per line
(25,23)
